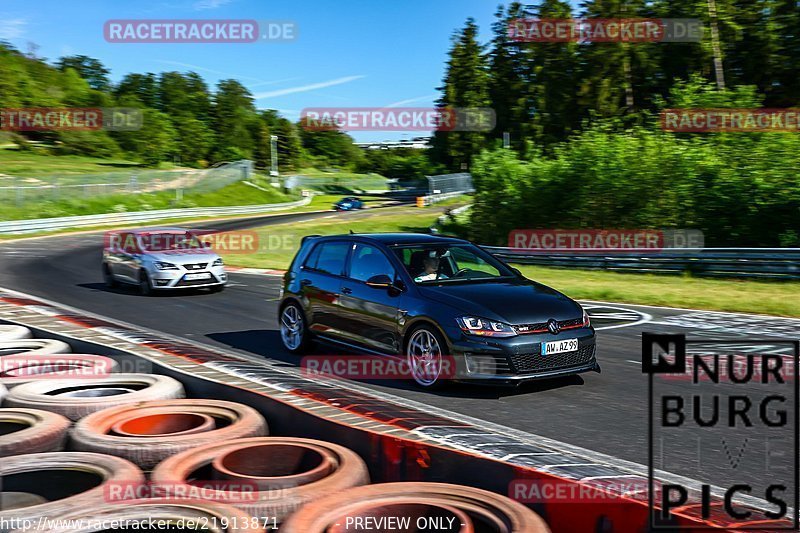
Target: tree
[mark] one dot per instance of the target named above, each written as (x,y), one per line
(180,94)
(156,141)
(234,114)
(331,147)
(90,69)
(141,88)
(509,80)
(555,71)
(466,85)
(193,139)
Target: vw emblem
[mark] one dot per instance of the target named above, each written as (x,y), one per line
(553,326)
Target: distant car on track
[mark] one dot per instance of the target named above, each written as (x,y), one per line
(348,204)
(162,259)
(423,298)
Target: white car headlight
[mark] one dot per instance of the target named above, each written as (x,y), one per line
(486,328)
(163,265)
(218,262)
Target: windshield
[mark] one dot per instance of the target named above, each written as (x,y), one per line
(450,263)
(163,242)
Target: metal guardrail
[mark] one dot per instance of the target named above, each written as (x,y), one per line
(460,183)
(765,263)
(48,224)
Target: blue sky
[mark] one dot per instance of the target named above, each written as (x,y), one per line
(353,53)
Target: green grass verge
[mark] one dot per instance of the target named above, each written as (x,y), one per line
(279,243)
(39,163)
(743,296)
(235,194)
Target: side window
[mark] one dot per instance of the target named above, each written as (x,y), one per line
(368,261)
(311,260)
(329,257)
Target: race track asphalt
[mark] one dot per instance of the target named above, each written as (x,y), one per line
(606,412)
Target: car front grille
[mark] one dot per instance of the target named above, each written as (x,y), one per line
(534,362)
(195,266)
(540,327)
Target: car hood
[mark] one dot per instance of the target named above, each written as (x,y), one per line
(182,257)
(512,302)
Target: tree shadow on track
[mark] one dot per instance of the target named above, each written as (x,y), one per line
(267,343)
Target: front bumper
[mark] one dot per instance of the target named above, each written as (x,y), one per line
(177,279)
(518,359)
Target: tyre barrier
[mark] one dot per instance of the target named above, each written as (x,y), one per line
(148,432)
(32,347)
(76,398)
(13,332)
(66,480)
(439,506)
(31,431)
(18,369)
(196,515)
(267,477)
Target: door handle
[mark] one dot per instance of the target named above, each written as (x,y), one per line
(347,290)
(305,282)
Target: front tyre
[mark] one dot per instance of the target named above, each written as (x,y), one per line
(426,351)
(145,288)
(293,328)
(108,277)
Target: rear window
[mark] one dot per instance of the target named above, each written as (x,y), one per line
(328,257)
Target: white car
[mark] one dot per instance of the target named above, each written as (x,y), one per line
(161,259)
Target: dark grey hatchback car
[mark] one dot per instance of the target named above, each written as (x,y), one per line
(425,299)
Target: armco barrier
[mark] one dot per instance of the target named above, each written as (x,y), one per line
(765,263)
(399,440)
(49,224)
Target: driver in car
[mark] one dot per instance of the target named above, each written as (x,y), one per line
(431,269)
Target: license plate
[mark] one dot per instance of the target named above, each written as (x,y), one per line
(567,345)
(201,275)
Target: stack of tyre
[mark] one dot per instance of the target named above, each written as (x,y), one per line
(102,452)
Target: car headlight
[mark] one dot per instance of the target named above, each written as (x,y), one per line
(218,262)
(486,328)
(162,265)
(586,321)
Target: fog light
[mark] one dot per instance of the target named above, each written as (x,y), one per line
(480,364)
(162,282)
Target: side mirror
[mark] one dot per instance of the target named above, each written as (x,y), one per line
(381,281)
